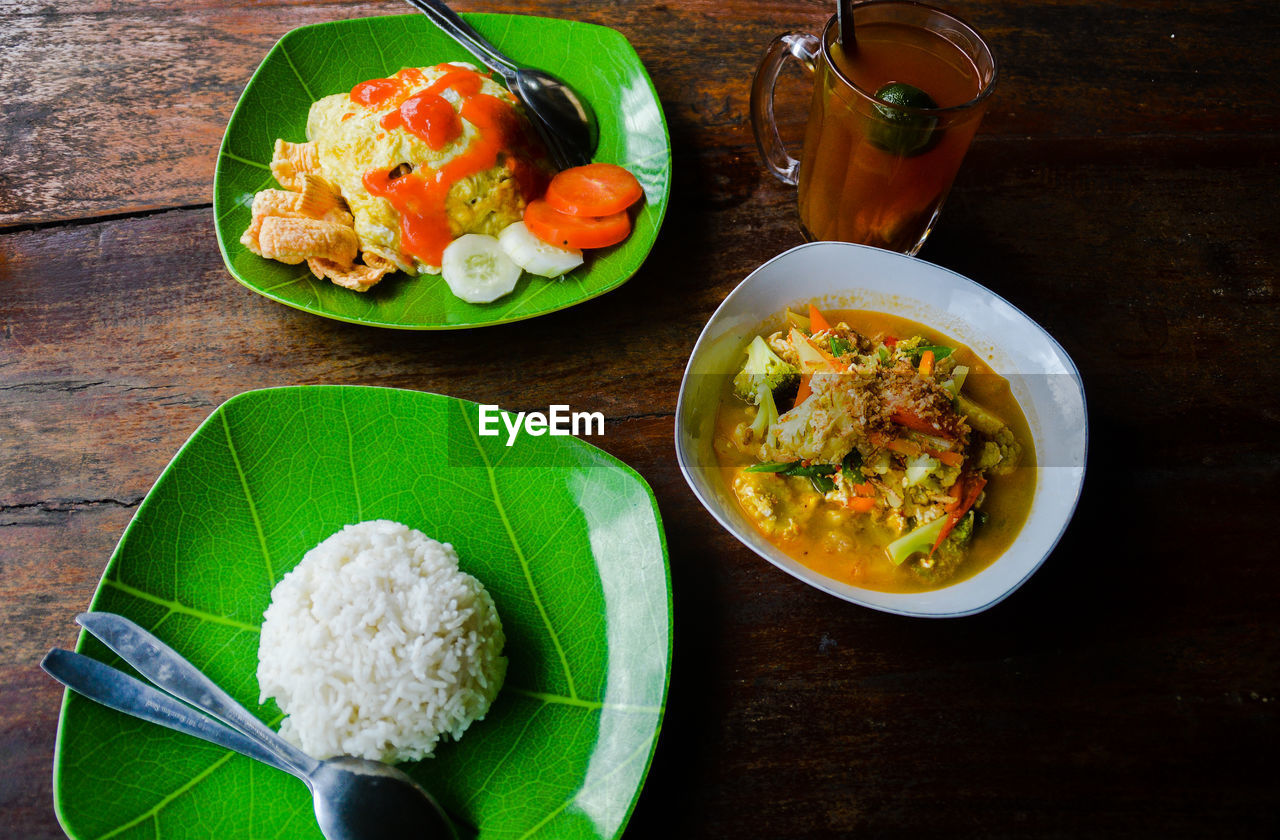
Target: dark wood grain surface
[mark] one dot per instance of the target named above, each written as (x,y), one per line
(1122,192)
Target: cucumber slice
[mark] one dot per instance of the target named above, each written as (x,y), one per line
(477,270)
(535,256)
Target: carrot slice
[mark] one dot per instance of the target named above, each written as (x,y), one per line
(597,189)
(861,504)
(575,232)
(909,419)
(904,447)
(951,459)
(973,488)
(926,363)
(817,323)
(803,392)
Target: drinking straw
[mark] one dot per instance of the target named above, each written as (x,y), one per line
(844,18)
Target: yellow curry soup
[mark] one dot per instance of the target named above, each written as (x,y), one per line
(827,480)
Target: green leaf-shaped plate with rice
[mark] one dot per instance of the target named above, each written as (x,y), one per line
(567,540)
(314,61)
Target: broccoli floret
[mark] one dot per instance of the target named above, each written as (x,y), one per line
(948,556)
(768,413)
(918,541)
(764,367)
(907,346)
(942,563)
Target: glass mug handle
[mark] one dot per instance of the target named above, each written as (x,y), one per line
(803,48)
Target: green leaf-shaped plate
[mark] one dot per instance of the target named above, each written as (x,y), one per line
(566,538)
(315,61)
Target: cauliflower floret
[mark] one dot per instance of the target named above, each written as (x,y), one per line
(828,424)
(999,454)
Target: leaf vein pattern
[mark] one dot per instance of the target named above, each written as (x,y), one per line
(305,88)
(233,206)
(291,281)
(152,812)
(497,765)
(351,461)
(377,43)
(641,749)
(560,699)
(564,523)
(257,164)
(524,562)
(548,818)
(176,607)
(522,305)
(462,488)
(248,497)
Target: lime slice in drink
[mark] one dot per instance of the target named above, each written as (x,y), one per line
(898,131)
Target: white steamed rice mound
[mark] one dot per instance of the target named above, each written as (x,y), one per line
(376,645)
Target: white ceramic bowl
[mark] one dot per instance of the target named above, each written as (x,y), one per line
(838,275)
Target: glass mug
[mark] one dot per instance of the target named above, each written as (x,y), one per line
(876,171)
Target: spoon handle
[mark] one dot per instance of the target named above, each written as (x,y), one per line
(465,34)
(166,668)
(125,694)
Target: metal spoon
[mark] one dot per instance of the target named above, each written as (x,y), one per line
(564,120)
(355,799)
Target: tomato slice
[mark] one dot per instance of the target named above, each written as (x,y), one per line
(575,232)
(597,189)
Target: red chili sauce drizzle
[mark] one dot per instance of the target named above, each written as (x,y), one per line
(376,91)
(419,196)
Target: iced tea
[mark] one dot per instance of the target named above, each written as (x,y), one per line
(890,121)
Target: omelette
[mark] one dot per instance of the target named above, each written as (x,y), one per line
(395,170)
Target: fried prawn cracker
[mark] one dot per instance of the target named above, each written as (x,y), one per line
(269,203)
(358,278)
(292,241)
(292,162)
(318,201)
(321,200)
(309,221)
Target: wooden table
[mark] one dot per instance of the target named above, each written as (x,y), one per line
(1122,193)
